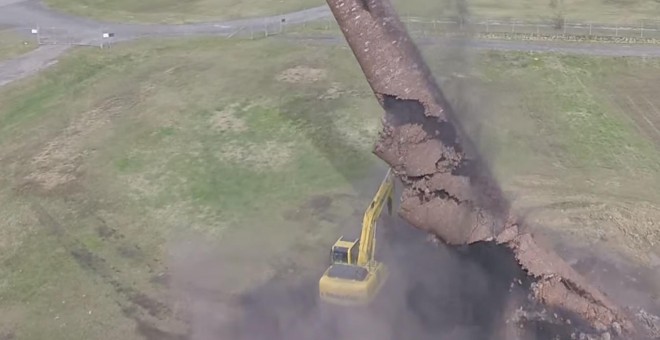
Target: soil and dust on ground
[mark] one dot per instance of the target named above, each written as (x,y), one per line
(13,44)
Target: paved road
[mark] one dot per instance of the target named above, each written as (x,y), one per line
(27,14)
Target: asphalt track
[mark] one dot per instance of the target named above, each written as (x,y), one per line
(25,15)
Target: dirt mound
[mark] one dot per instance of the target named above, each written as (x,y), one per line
(448,190)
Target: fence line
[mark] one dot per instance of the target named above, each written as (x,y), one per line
(416,26)
(645,29)
(429,26)
(55,36)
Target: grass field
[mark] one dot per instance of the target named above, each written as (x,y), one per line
(610,11)
(221,164)
(111,160)
(12,44)
(573,139)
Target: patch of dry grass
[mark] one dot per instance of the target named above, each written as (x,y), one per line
(302,74)
(12,44)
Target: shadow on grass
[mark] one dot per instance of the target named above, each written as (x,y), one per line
(311,117)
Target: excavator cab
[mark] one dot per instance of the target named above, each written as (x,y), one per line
(345,251)
(354,277)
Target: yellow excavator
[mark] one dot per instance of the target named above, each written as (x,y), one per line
(354,276)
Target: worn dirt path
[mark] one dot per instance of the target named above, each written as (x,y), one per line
(30,63)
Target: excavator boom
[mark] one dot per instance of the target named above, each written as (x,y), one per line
(368,235)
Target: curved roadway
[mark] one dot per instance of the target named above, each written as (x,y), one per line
(25,15)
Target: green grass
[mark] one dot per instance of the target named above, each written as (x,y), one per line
(112,160)
(13,45)
(572,113)
(174,139)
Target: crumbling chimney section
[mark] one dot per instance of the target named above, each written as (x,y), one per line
(448,190)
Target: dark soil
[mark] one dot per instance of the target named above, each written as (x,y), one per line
(320,203)
(150,332)
(130,251)
(106,232)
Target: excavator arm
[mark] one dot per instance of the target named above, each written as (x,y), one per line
(368,235)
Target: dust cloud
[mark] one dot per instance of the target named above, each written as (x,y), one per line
(433,292)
